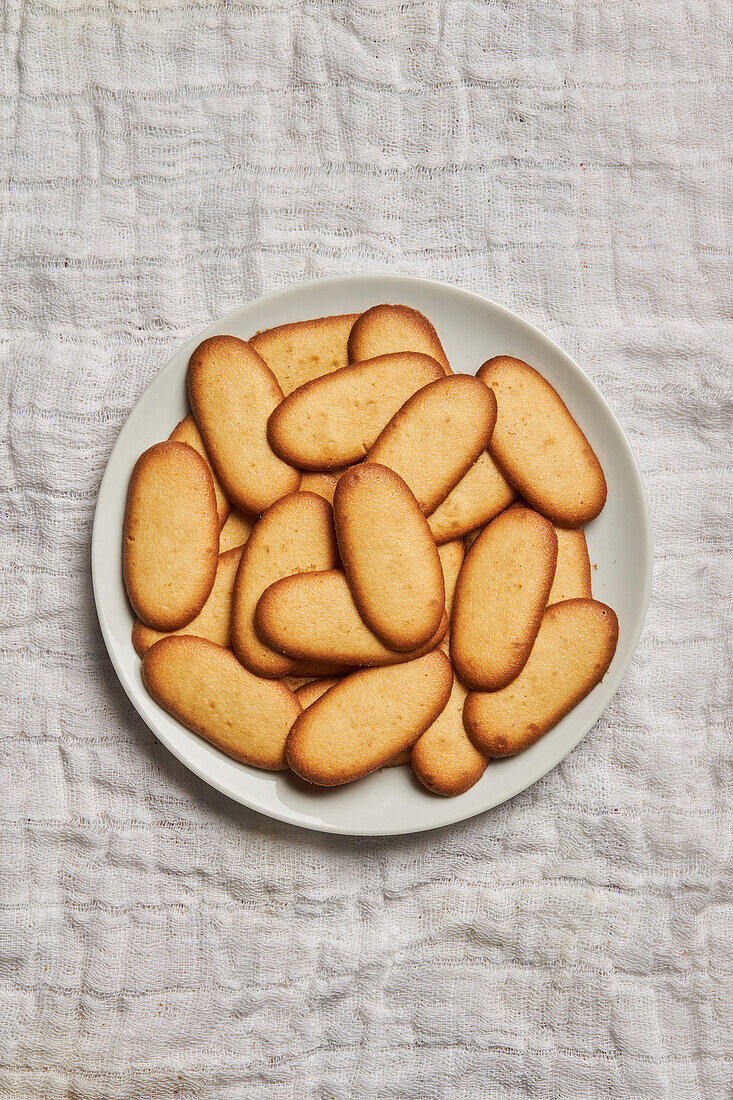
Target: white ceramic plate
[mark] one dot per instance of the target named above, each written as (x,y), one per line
(472,330)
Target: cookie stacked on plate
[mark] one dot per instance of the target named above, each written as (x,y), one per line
(349,557)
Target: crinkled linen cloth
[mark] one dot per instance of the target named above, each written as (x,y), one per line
(163,163)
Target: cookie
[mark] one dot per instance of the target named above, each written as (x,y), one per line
(437,436)
(302,350)
(389,556)
(572,572)
(384,329)
(314,689)
(235,531)
(187,432)
(313,617)
(571,655)
(295,535)
(500,597)
(539,447)
(367,718)
(333,421)
(171,536)
(451,556)
(232,393)
(481,494)
(205,687)
(444,759)
(323,484)
(213,620)
(295,682)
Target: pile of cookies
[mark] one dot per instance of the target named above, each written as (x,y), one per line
(349,557)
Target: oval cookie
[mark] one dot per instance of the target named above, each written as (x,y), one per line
(538,446)
(171,536)
(437,436)
(389,556)
(367,718)
(213,620)
(444,759)
(501,594)
(308,693)
(571,654)
(295,682)
(384,329)
(313,617)
(302,350)
(451,556)
(206,688)
(481,494)
(572,572)
(333,421)
(232,393)
(187,432)
(322,484)
(295,535)
(235,531)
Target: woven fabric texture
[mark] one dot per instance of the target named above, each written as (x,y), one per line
(160,163)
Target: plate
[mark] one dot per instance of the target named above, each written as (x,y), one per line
(389,802)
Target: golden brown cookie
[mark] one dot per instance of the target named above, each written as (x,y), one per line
(389,556)
(539,447)
(384,329)
(500,597)
(235,531)
(232,393)
(367,718)
(213,620)
(572,572)
(205,687)
(187,432)
(444,759)
(294,682)
(437,436)
(451,556)
(481,494)
(171,536)
(323,484)
(295,535)
(571,655)
(314,689)
(313,617)
(298,352)
(332,421)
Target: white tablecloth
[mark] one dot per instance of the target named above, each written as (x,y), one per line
(162,163)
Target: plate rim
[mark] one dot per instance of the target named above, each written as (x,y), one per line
(315,825)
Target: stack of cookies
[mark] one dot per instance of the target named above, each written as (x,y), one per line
(349,557)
